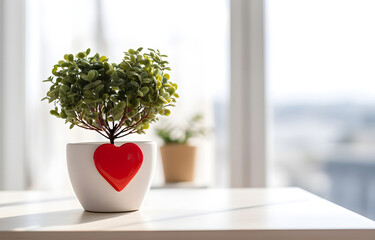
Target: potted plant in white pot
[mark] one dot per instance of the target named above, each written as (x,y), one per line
(114,100)
(178,155)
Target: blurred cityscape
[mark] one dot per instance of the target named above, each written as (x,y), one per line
(329,150)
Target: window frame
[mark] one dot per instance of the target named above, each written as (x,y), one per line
(248,116)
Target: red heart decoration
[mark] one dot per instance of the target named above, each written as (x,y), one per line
(118,165)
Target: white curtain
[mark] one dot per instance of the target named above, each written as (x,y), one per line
(53,28)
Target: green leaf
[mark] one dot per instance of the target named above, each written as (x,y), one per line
(93,115)
(131,51)
(135,74)
(125,65)
(113,98)
(55,113)
(136,103)
(99,88)
(144,90)
(121,104)
(105,97)
(135,84)
(147,62)
(64,88)
(70,80)
(163,99)
(146,126)
(63,115)
(91,75)
(167,112)
(71,57)
(146,80)
(88,86)
(157,72)
(109,72)
(114,76)
(140,93)
(131,114)
(84,77)
(96,83)
(75,65)
(81,55)
(118,116)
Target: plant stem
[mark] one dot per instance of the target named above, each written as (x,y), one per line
(112,136)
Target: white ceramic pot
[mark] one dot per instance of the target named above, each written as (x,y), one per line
(94,192)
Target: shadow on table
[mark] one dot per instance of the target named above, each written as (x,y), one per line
(60,218)
(38,221)
(35,201)
(207,213)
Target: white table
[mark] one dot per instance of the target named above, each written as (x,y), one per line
(178,214)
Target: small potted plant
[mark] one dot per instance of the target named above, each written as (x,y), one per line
(115,100)
(177,154)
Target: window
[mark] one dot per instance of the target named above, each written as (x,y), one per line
(320,68)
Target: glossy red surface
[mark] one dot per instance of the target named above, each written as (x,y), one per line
(118,165)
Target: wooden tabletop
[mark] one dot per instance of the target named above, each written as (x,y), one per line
(282,213)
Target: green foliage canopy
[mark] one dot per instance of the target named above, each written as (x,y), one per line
(113,99)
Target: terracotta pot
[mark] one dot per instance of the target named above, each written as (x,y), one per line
(178,162)
(94,192)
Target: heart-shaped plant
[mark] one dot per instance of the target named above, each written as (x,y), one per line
(112,99)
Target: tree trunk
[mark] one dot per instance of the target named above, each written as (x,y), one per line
(112,137)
